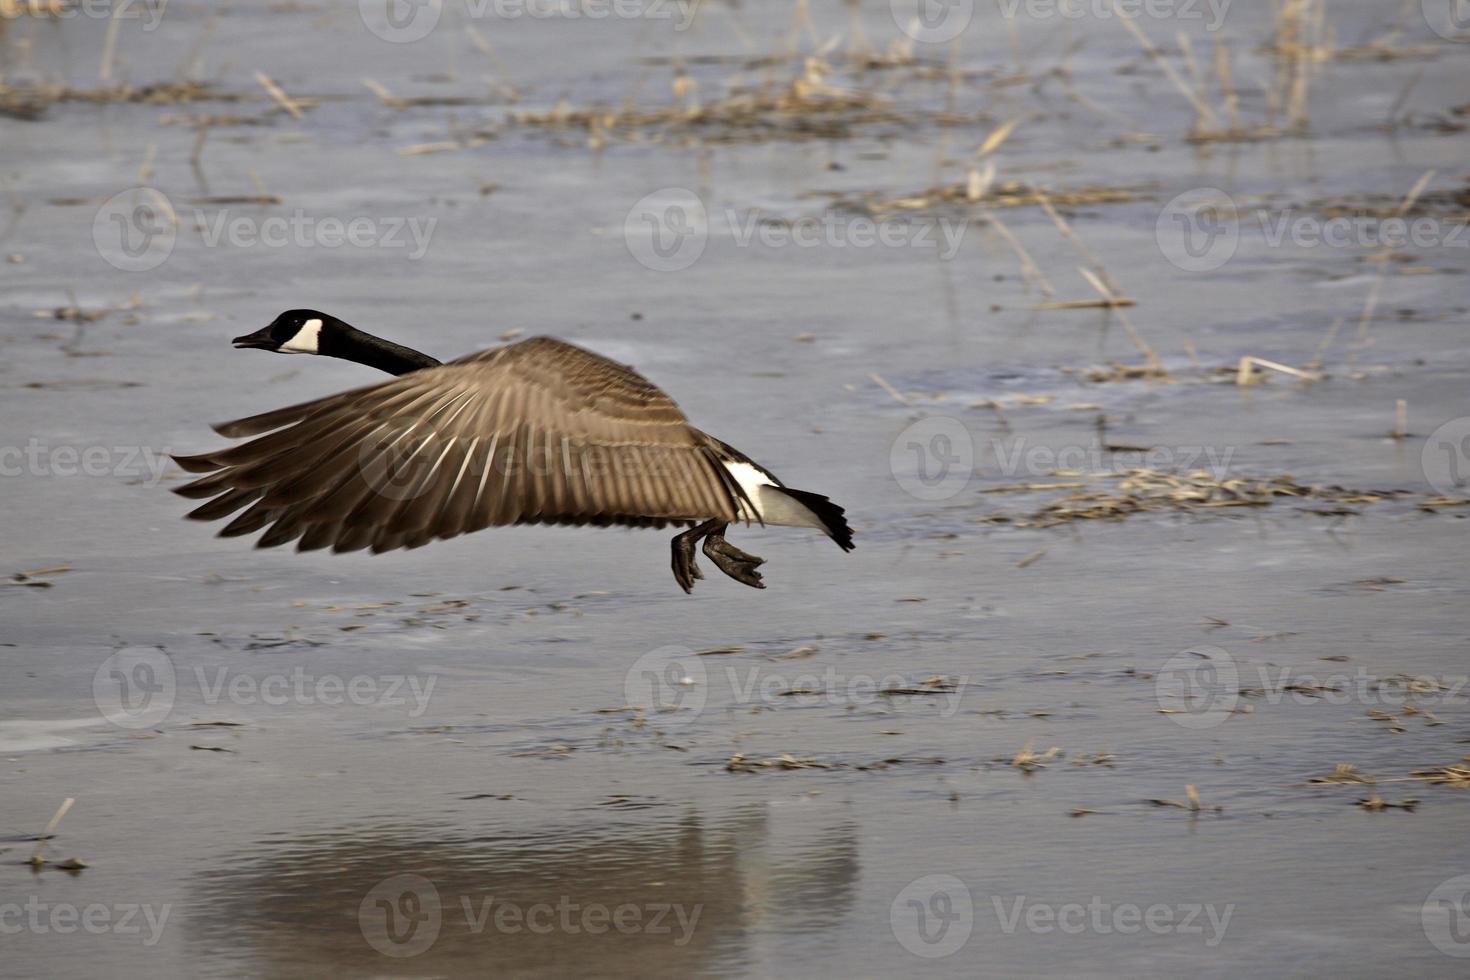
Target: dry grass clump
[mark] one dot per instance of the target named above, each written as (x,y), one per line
(1142,490)
(806,107)
(1457,776)
(1344,773)
(787,762)
(1004,194)
(1029,761)
(32,101)
(1448,203)
(1300,42)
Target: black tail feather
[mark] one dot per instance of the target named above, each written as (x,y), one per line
(827,512)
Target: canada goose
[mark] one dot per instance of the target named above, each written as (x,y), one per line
(535,432)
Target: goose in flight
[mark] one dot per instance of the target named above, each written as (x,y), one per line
(535,432)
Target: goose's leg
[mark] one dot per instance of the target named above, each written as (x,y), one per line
(731,560)
(685,570)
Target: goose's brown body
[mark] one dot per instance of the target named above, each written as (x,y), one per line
(537,432)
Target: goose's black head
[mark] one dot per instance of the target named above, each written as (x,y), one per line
(299,332)
(315,332)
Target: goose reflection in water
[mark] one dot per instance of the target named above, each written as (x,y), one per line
(673,898)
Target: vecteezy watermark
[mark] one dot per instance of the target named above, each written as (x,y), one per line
(667,230)
(135,230)
(406,21)
(835,230)
(934,916)
(301,229)
(400,21)
(1450,19)
(674,683)
(96,919)
(1103,918)
(1015,457)
(1212,12)
(148,11)
(1200,230)
(137,687)
(932,21)
(671,681)
(1199,687)
(1445,917)
(1445,457)
(934,458)
(1203,686)
(402,916)
(141,463)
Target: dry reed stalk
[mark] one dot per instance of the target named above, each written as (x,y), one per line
(1029,268)
(1226,75)
(1076,242)
(1206,119)
(281,98)
(1315,364)
(61,811)
(877,379)
(1246,374)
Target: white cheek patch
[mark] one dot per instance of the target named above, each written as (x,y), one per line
(306,339)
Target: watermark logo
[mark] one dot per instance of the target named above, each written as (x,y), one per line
(934,458)
(933,916)
(1450,19)
(140,464)
(1199,231)
(301,229)
(670,681)
(932,21)
(666,231)
(395,459)
(1445,917)
(1366,231)
(1103,918)
(135,687)
(400,21)
(1213,12)
(97,919)
(401,916)
(1016,458)
(674,681)
(1445,457)
(149,11)
(832,229)
(135,230)
(682,12)
(1198,688)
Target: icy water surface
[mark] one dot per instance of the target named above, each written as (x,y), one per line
(972,747)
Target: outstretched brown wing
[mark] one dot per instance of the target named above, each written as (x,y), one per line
(538,432)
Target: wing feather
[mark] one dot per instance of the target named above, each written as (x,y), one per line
(535,432)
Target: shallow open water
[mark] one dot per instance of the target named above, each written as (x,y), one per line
(453,762)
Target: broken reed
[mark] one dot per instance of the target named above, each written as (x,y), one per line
(1142,490)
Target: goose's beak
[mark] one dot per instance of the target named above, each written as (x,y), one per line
(260,339)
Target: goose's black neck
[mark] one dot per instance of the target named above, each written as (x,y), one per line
(352,344)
